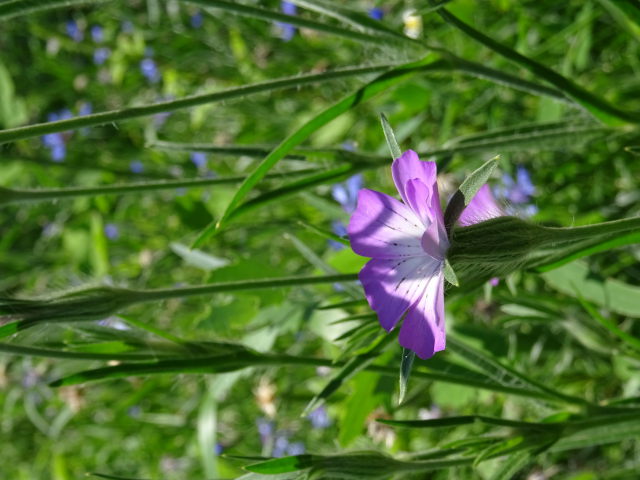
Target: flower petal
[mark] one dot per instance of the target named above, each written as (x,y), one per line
(382,227)
(482,207)
(423,329)
(408,167)
(391,286)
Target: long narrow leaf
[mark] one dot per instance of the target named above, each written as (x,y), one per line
(598,107)
(102,118)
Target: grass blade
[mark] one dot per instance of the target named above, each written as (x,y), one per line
(372,88)
(102,118)
(599,108)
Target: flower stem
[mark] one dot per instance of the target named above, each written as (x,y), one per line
(587,232)
(165,293)
(16,196)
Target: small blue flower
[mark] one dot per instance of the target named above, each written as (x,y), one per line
(58,153)
(346,194)
(149,70)
(85,109)
(111,231)
(319,418)
(197,19)
(265,429)
(287,30)
(280,445)
(136,166)
(296,448)
(199,159)
(74,31)
(339,229)
(376,13)
(101,55)
(97,34)
(518,193)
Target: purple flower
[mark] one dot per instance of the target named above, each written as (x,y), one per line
(287,30)
(149,70)
(100,55)
(97,34)
(518,193)
(74,31)
(483,207)
(199,159)
(376,13)
(136,166)
(319,418)
(407,244)
(346,194)
(111,231)
(196,19)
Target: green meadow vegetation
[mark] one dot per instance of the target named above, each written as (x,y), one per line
(178,294)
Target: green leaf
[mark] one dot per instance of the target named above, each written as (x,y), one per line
(449,422)
(599,108)
(298,21)
(450,275)
(351,367)
(600,431)
(408,356)
(505,375)
(370,89)
(513,464)
(14,8)
(575,279)
(626,13)
(103,118)
(394,148)
(282,465)
(561,256)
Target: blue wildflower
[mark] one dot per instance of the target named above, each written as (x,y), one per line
(376,13)
(74,31)
(197,19)
(518,193)
(339,229)
(280,445)
(97,34)
(59,152)
(296,448)
(287,31)
(265,429)
(111,231)
(149,70)
(136,166)
(199,159)
(101,55)
(319,418)
(346,194)
(85,109)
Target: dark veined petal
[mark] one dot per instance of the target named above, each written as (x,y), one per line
(392,286)
(382,227)
(423,329)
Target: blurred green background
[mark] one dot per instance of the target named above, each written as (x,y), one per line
(81,59)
